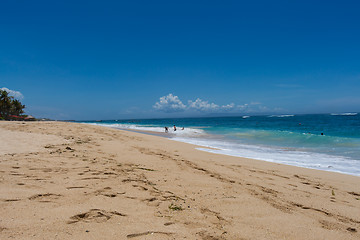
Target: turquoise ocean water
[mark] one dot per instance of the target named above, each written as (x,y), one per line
(328,142)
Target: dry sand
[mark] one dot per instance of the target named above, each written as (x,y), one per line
(75,181)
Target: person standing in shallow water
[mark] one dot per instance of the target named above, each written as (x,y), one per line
(166,129)
(174,128)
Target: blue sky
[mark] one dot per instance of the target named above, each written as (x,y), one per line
(146,59)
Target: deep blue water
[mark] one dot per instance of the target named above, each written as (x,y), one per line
(321,141)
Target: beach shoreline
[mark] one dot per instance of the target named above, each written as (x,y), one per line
(63,180)
(321,141)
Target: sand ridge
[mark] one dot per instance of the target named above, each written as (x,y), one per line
(89,182)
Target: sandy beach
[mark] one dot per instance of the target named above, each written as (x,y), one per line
(62,180)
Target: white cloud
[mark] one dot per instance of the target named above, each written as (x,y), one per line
(170,103)
(15,94)
(203,106)
(228,107)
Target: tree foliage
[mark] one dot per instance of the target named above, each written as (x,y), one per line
(9,105)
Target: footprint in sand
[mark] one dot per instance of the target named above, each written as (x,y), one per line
(46,197)
(94,215)
(107,192)
(147,233)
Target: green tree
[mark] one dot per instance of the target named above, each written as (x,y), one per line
(9,105)
(17,108)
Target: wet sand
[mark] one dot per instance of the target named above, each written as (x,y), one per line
(75,181)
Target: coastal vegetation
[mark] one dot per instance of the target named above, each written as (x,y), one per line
(10,108)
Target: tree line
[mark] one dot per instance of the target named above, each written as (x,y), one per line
(9,106)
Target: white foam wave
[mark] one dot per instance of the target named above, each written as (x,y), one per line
(245,116)
(186,132)
(287,115)
(287,156)
(344,114)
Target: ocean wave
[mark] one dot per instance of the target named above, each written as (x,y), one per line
(288,156)
(186,132)
(286,115)
(344,114)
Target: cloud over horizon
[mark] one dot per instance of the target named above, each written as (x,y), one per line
(172,103)
(203,106)
(15,94)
